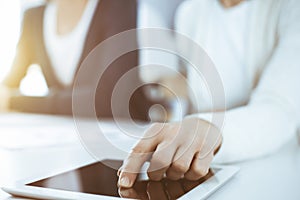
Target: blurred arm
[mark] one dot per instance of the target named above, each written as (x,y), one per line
(23,56)
(19,67)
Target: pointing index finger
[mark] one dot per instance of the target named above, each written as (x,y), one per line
(132,165)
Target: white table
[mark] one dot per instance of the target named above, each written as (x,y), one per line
(273,177)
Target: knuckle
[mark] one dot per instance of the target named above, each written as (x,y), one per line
(160,158)
(154,132)
(200,171)
(155,127)
(159,162)
(180,167)
(173,176)
(192,177)
(138,149)
(141,147)
(154,176)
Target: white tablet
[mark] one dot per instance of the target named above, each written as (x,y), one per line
(98,181)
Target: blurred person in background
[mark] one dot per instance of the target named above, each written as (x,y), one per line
(255,47)
(58,36)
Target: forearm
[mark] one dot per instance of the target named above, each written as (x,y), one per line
(4,98)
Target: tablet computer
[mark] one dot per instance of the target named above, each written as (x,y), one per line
(99,181)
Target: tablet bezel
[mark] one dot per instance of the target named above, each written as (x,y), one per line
(202,191)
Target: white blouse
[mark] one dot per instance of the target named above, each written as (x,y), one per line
(65,51)
(227,33)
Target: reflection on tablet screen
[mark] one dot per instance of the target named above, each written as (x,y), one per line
(100,179)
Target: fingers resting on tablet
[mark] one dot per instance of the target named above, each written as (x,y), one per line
(176,150)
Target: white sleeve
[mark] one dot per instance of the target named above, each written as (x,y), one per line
(272,115)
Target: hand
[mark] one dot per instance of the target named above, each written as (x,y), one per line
(177,150)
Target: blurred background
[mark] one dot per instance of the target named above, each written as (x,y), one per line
(150,14)
(34,85)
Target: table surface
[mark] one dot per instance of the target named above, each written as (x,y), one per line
(273,177)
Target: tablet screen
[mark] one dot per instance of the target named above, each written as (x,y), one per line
(100,179)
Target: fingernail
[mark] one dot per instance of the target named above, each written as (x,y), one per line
(124,182)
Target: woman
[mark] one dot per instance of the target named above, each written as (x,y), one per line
(254,45)
(58,37)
